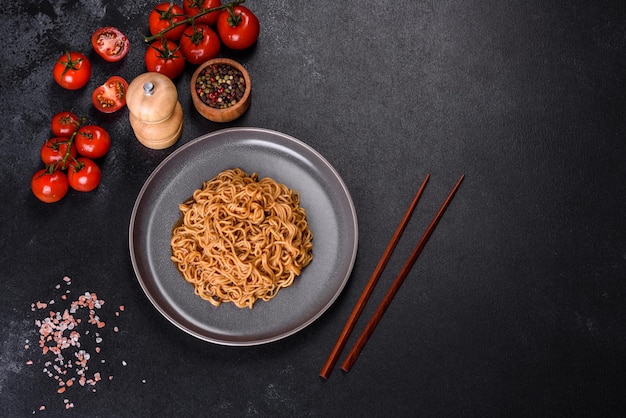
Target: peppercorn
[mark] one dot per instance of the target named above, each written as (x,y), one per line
(220,86)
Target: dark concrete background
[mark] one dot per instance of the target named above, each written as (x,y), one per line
(517,305)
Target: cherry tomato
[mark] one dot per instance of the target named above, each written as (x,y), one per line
(199,44)
(111,96)
(92,141)
(48,186)
(83,175)
(64,124)
(238,27)
(165,15)
(110,43)
(162,56)
(193,7)
(72,70)
(53,151)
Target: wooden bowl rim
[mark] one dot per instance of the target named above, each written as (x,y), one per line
(205,109)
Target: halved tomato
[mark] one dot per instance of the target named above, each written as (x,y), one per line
(110,43)
(111,96)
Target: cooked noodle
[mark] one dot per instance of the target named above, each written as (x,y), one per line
(241,239)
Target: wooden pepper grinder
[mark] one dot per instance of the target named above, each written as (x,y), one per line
(155,112)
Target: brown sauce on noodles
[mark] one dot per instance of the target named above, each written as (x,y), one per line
(241,238)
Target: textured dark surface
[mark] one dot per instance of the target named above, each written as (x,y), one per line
(517,305)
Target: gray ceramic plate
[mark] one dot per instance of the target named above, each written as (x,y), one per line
(330,213)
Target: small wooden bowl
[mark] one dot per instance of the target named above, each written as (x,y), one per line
(229,113)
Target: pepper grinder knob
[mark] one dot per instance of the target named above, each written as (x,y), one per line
(148,88)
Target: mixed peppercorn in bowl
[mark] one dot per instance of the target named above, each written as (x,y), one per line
(220,89)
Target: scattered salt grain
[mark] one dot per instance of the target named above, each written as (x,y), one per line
(62,333)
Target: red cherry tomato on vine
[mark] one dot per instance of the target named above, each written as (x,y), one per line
(110,43)
(163,57)
(72,70)
(165,15)
(111,96)
(54,150)
(238,28)
(83,175)
(92,141)
(49,187)
(193,7)
(64,124)
(199,44)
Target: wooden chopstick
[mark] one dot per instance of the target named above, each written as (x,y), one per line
(358,308)
(371,325)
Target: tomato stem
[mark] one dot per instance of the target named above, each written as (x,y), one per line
(67,155)
(164,51)
(69,64)
(234,19)
(191,19)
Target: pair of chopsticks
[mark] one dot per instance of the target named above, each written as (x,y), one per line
(384,304)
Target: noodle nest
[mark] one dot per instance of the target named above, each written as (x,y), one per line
(241,239)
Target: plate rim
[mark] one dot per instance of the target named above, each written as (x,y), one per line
(225,131)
